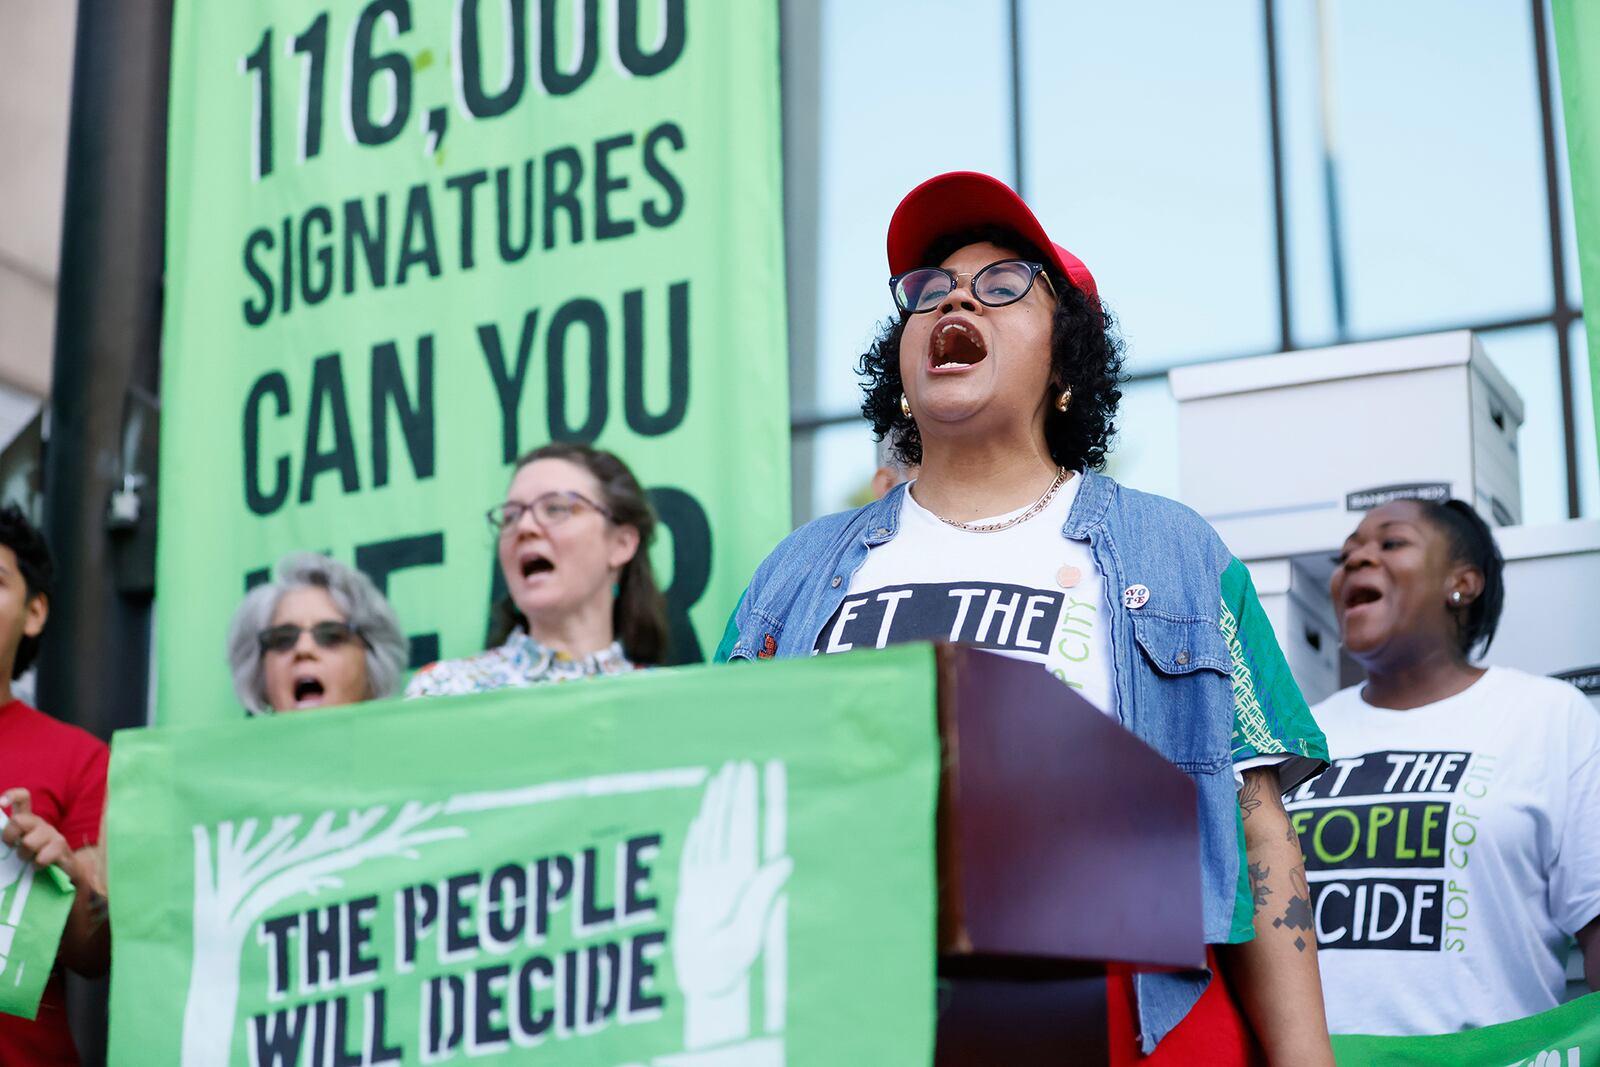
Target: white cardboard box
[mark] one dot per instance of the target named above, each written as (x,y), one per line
(1293,593)
(1271,579)
(1551,620)
(1283,454)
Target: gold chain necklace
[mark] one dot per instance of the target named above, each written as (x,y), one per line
(994,527)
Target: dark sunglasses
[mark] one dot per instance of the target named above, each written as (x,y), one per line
(328,634)
(996,285)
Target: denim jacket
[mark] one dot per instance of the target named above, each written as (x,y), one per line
(1171,667)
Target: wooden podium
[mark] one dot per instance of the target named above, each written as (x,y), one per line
(1065,843)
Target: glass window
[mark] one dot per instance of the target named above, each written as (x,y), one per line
(1147,151)
(1439,162)
(1148,155)
(1144,454)
(1309,267)
(840,461)
(893,115)
(17,409)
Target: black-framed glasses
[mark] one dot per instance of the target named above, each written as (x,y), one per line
(1000,283)
(330,634)
(549,509)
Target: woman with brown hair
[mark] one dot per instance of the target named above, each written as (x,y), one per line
(574,534)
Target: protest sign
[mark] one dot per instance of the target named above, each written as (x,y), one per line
(407,242)
(1577,32)
(1568,1036)
(33,912)
(692,868)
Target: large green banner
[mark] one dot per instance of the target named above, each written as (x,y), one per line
(1577,26)
(725,866)
(409,240)
(33,912)
(1568,1036)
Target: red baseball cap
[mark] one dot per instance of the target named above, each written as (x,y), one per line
(962,200)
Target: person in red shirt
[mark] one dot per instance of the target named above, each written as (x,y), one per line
(53,778)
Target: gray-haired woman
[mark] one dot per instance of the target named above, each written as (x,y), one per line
(317,635)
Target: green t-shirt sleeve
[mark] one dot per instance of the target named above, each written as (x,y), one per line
(730,632)
(1243,926)
(1270,717)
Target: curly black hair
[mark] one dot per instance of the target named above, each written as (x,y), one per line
(1086,354)
(33,563)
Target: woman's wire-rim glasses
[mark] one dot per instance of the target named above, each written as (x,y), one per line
(1001,289)
(549,509)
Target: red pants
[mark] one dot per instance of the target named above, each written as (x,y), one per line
(1214,1032)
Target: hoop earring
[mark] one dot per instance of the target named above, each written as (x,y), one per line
(1064,401)
(905,406)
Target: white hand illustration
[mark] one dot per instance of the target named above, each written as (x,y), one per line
(14,871)
(725,896)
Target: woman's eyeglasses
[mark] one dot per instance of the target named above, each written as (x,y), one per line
(995,286)
(549,509)
(330,634)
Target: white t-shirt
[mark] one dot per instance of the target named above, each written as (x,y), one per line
(1451,850)
(1025,592)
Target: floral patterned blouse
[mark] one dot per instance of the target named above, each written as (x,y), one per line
(521,661)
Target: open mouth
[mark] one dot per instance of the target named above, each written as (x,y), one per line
(308,691)
(956,345)
(532,565)
(1360,596)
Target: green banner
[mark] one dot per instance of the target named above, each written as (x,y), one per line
(703,867)
(1568,1036)
(407,241)
(33,912)
(1577,26)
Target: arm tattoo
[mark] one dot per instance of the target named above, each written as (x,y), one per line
(1292,839)
(99,911)
(1297,914)
(1250,795)
(1258,884)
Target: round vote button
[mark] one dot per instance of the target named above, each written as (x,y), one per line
(1136,596)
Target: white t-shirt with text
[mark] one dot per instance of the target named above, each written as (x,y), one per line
(1451,850)
(1025,592)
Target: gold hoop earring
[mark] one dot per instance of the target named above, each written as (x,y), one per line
(905,406)
(1064,401)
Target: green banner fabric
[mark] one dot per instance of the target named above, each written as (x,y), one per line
(409,241)
(1568,1036)
(702,867)
(1577,27)
(33,912)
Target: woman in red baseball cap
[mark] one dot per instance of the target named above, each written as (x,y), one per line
(999,378)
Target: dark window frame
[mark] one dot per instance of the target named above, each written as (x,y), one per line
(1562,314)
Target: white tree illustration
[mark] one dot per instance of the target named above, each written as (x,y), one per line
(243,877)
